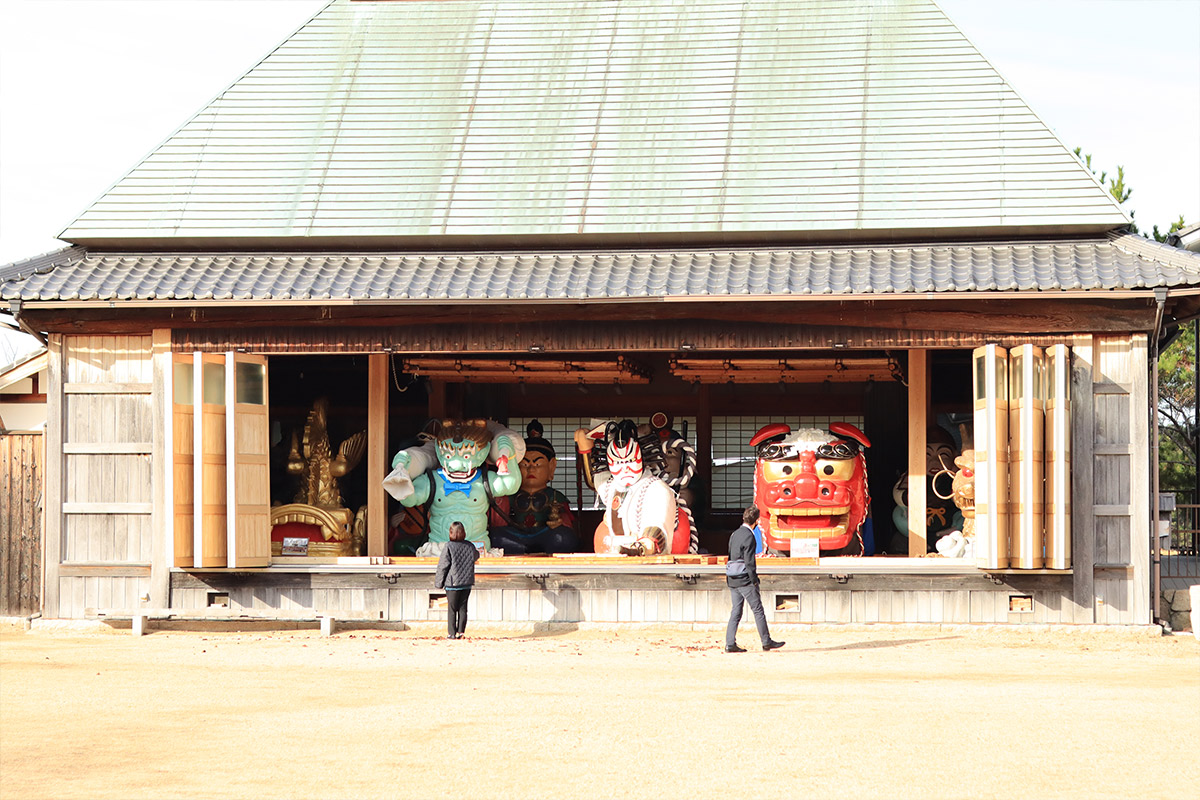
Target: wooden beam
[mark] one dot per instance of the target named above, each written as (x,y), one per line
(108,448)
(965,313)
(108,388)
(918,413)
(109,571)
(108,508)
(377,455)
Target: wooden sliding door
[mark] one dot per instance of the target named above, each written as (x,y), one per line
(221,479)
(183,459)
(247,473)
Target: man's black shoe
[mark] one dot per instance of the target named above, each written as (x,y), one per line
(773,645)
(735,649)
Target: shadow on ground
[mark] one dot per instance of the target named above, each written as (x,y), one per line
(874,644)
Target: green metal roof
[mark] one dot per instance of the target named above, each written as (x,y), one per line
(390,121)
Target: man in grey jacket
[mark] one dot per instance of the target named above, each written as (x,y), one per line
(741,574)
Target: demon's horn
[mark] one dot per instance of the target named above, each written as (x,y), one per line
(847,431)
(776,430)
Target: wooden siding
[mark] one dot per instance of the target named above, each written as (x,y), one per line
(1110,507)
(101,484)
(22,465)
(81,595)
(630,598)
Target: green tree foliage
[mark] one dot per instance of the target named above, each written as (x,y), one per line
(1177,225)
(1177,413)
(1116,186)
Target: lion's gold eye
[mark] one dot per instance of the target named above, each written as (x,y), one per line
(780,470)
(835,469)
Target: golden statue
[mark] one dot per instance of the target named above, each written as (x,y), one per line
(319,498)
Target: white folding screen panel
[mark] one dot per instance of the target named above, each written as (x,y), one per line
(1058,457)
(990,399)
(1026,454)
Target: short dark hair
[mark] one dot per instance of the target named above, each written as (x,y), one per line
(457,532)
(750,516)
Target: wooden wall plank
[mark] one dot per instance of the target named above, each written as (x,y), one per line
(887,611)
(12,502)
(21,485)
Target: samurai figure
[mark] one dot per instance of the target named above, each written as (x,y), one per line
(538,518)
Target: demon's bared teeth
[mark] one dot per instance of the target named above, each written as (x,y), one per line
(828,511)
(813,533)
(460,477)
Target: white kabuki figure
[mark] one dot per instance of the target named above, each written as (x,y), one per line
(641,516)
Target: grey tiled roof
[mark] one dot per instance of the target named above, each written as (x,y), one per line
(28,266)
(513,118)
(1114,262)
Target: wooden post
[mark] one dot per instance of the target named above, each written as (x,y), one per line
(918,414)
(437,399)
(1141,537)
(52,545)
(377,455)
(703,436)
(1083,520)
(163,516)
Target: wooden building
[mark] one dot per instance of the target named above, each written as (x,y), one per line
(734,213)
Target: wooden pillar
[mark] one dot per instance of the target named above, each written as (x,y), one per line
(918,415)
(53,485)
(1141,538)
(437,399)
(704,436)
(377,455)
(1083,521)
(162,554)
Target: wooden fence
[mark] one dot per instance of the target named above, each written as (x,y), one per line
(22,463)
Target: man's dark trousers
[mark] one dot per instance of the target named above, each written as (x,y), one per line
(746,594)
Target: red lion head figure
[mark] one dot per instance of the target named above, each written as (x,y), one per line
(811,484)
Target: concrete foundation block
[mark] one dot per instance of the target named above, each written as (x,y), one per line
(1195,612)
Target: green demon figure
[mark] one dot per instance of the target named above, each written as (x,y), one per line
(450,470)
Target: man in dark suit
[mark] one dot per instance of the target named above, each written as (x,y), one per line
(741,574)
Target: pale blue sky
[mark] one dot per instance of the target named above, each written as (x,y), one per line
(89,87)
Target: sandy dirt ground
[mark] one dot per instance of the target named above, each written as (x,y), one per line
(879,712)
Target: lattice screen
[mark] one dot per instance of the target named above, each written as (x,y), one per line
(561,433)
